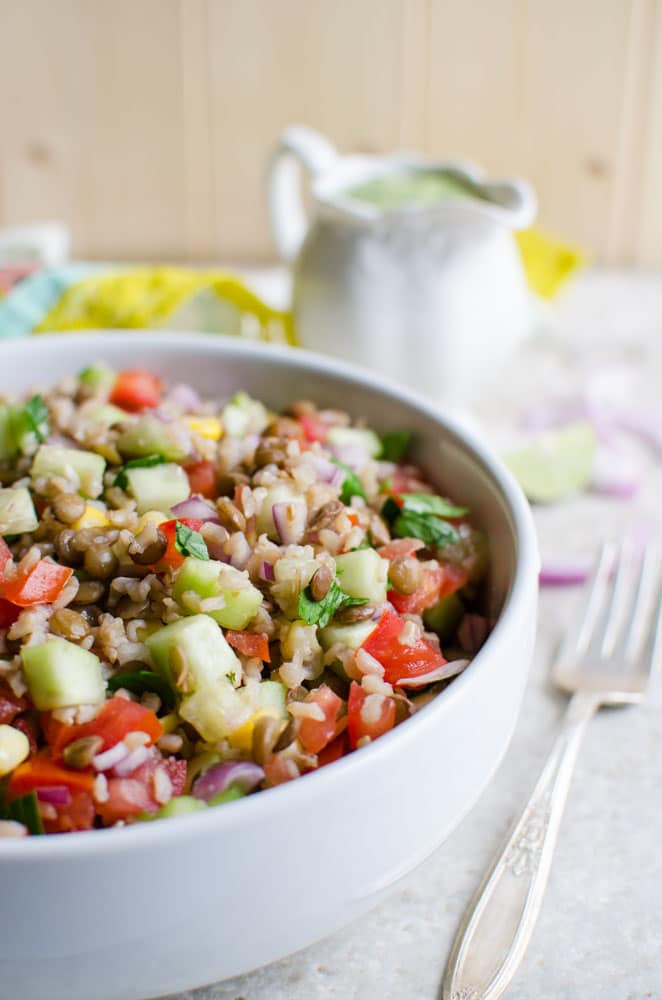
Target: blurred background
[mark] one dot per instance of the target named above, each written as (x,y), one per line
(146,125)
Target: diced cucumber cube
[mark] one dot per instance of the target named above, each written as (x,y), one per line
(243,415)
(180,805)
(85,468)
(280,493)
(148,436)
(60,674)
(352,636)
(98,378)
(17,513)
(8,447)
(201,646)
(444,617)
(109,415)
(195,650)
(159,487)
(209,579)
(358,437)
(363,574)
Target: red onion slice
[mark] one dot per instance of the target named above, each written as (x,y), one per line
(55,795)
(442,673)
(197,508)
(219,777)
(267,572)
(290,520)
(325,471)
(185,397)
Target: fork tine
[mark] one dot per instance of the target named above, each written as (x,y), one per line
(621,610)
(644,643)
(598,589)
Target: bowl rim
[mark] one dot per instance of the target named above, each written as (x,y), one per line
(257,808)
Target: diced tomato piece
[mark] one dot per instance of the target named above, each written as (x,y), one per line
(334,750)
(172,557)
(313,428)
(426,596)
(8,613)
(400,548)
(279,769)
(40,585)
(77,815)
(42,772)
(136,389)
(400,661)
(133,795)
(11,704)
(315,734)
(118,717)
(452,578)
(250,644)
(203,479)
(358,726)
(352,516)
(5,556)
(407,479)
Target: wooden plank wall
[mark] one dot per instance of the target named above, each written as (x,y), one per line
(146,124)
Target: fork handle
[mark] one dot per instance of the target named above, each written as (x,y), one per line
(498,924)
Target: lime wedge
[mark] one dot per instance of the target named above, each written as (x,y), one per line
(555,464)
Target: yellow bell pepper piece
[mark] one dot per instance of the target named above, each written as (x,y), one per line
(206,427)
(91,517)
(242,738)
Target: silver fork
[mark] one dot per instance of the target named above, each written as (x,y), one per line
(606,661)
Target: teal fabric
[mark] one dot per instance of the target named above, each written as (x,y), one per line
(26,305)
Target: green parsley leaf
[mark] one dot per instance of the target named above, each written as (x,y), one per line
(352,486)
(390,510)
(24,810)
(189,542)
(321,612)
(394,445)
(137,463)
(36,415)
(428,503)
(430,529)
(142,681)
(232,677)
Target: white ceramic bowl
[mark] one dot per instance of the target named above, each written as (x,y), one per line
(161,907)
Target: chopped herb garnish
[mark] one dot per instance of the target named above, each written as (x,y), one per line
(137,463)
(24,810)
(394,445)
(189,542)
(428,503)
(321,612)
(232,677)
(420,516)
(36,415)
(142,681)
(352,486)
(430,529)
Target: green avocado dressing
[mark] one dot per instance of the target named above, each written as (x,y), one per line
(414,187)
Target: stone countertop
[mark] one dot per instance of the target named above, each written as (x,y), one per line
(600,931)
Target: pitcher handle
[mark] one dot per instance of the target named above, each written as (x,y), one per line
(298,147)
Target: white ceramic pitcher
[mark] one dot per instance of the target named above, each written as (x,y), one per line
(433,295)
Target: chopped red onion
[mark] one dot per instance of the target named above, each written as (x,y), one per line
(185,397)
(55,795)
(219,777)
(564,573)
(267,572)
(197,508)
(238,550)
(472,632)
(290,520)
(442,673)
(615,474)
(325,471)
(104,761)
(351,455)
(162,417)
(132,761)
